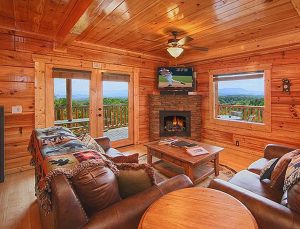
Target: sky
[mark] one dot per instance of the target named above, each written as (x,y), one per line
(249,84)
(81,87)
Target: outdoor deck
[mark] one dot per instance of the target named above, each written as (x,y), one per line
(117,134)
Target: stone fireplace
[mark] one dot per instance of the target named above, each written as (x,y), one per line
(174,123)
(175,115)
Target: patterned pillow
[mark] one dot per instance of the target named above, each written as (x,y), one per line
(292,175)
(278,174)
(134,178)
(91,143)
(133,158)
(268,169)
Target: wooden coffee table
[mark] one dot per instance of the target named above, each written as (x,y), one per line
(179,157)
(197,208)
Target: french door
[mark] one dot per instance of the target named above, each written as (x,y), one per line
(95,102)
(115,107)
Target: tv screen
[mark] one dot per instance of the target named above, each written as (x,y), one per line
(175,78)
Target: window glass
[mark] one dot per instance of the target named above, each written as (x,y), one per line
(239,96)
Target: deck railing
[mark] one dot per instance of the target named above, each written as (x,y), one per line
(246,113)
(114,116)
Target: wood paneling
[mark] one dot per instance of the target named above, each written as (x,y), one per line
(18,85)
(144,26)
(285,109)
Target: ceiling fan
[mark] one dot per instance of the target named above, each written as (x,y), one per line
(176,46)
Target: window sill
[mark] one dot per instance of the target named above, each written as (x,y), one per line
(242,124)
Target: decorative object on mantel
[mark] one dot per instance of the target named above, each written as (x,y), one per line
(294,111)
(286,85)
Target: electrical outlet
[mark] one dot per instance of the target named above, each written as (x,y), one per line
(16,109)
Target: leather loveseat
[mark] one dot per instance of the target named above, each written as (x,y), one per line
(71,211)
(263,201)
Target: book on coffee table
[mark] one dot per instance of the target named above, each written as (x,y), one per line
(196,151)
(183,144)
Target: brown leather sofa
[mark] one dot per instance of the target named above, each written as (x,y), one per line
(263,201)
(105,143)
(69,209)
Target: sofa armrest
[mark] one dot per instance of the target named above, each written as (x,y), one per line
(66,207)
(268,214)
(175,183)
(276,151)
(104,142)
(128,212)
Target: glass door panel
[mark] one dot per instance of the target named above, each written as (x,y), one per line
(72,103)
(116,103)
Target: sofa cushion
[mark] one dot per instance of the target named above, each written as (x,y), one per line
(111,152)
(266,172)
(251,181)
(96,187)
(258,165)
(278,174)
(134,178)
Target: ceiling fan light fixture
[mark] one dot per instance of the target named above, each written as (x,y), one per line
(175,51)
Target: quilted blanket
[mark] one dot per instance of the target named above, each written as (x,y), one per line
(56,150)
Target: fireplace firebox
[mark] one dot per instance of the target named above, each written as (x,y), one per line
(175,123)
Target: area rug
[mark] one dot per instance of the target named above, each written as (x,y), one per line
(225,173)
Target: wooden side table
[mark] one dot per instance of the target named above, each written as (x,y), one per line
(197,208)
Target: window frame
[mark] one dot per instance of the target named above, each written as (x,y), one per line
(266,125)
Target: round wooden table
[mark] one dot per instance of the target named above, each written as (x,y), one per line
(197,208)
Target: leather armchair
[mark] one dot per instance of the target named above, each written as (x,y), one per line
(267,213)
(270,151)
(263,201)
(67,210)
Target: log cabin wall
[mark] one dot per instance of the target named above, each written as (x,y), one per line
(285,108)
(17,86)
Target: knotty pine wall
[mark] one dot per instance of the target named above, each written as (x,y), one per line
(285,108)
(17,75)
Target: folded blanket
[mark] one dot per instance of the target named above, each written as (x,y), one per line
(56,150)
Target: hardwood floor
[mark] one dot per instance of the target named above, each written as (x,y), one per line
(19,210)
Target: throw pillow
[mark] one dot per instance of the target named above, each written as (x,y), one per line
(91,143)
(133,158)
(278,174)
(134,178)
(96,187)
(268,169)
(292,175)
(293,197)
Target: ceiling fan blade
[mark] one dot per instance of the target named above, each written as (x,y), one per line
(184,40)
(196,48)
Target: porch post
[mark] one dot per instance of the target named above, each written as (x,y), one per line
(69,99)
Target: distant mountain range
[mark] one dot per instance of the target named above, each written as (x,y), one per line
(83,97)
(239,91)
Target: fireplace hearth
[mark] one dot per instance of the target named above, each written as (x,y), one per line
(174,115)
(175,123)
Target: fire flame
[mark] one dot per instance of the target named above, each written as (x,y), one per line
(177,121)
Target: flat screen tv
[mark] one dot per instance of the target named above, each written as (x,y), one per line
(176,78)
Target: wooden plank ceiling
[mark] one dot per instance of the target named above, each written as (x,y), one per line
(226,27)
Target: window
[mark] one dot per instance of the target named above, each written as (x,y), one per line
(240,97)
